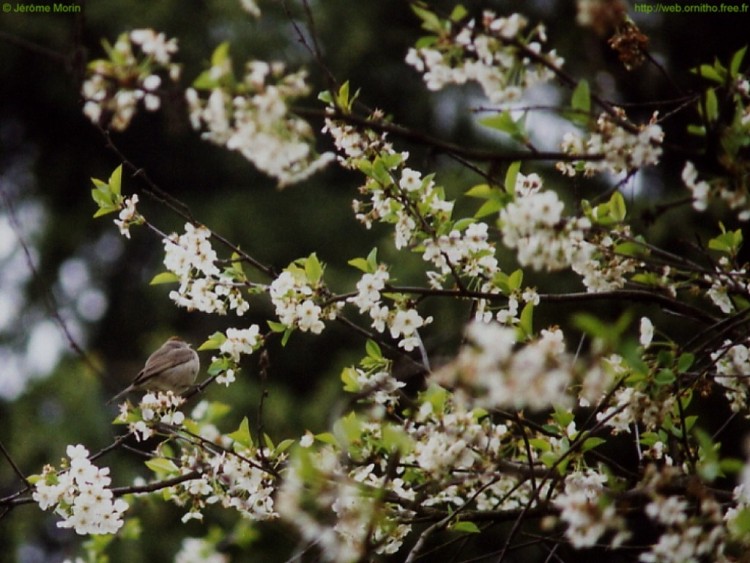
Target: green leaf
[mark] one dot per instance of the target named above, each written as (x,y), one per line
(372,260)
(527,320)
(430,21)
(489,207)
(505,123)
(591,443)
(242,434)
(728,242)
(617,208)
(581,100)
(220,54)
(711,105)
(736,62)
(276,327)
(458,13)
(380,173)
(396,439)
(164,277)
(481,191)
(465,527)
(710,73)
(268,442)
(349,379)
(361,264)
(665,377)
(115,180)
(373,349)
(327,438)
(515,280)
(214,342)
(510,177)
(326,97)
(313,269)
(685,362)
(740,523)
(284,445)
(219,365)
(162,465)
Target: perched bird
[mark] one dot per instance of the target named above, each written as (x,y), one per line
(173,367)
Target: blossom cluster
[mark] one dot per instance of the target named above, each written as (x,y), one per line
(128,215)
(703,191)
(693,528)
(493,53)
(402,321)
(203,286)
(236,342)
(533,224)
(153,409)
(81,495)
(619,149)
(353,143)
(338,508)
(253,117)
(494,374)
(295,297)
(237,481)
(587,512)
(732,364)
(138,63)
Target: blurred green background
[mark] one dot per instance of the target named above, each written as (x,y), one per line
(97,282)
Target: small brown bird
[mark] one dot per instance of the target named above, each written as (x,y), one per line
(173,367)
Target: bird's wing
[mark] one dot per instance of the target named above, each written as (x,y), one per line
(157,364)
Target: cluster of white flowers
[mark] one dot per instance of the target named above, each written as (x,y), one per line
(403,322)
(451,439)
(81,495)
(491,54)
(295,305)
(128,216)
(620,150)
(380,386)
(732,364)
(160,407)
(599,378)
(631,406)
(355,143)
(238,341)
(202,285)
(114,87)
(604,269)
(257,121)
(468,252)
(533,224)
(243,485)
(727,280)
(368,297)
(693,529)
(587,514)
(350,498)
(702,191)
(494,374)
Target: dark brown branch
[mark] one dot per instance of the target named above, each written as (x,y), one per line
(439,145)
